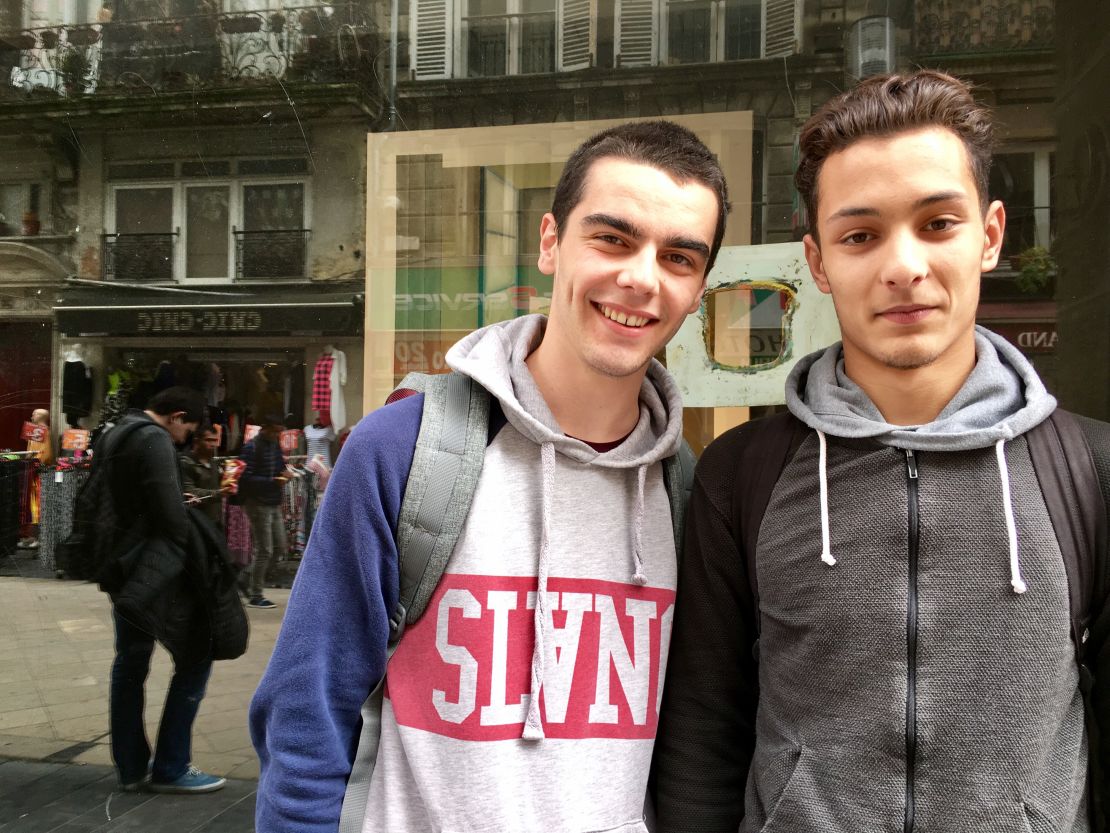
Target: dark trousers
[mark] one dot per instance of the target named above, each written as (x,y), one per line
(130,749)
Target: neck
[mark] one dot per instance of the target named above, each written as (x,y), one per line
(588,405)
(913,396)
(161,420)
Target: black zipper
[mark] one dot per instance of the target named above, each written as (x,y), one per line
(911,639)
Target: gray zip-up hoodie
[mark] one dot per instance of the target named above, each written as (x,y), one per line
(526,698)
(916,670)
(906,664)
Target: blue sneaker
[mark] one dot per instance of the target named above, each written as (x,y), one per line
(192,781)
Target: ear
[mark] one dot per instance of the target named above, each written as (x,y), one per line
(994,228)
(549,245)
(696,303)
(816,264)
(177,416)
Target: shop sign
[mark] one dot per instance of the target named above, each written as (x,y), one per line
(423,351)
(200,321)
(290,440)
(33,432)
(518,298)
(1028,336)
(75,439)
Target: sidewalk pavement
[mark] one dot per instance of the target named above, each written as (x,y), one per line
(44,797)
(56,650)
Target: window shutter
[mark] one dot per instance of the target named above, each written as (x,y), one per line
(780,34)
(431,39)
(637,33)
(575,49)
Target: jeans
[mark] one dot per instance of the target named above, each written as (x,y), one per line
(130,748)
(268,535)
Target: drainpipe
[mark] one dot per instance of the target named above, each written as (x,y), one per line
(391,111)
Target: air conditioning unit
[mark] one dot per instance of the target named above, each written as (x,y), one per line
(870,48)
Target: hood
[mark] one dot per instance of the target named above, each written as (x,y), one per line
(494,358)
(1001,399)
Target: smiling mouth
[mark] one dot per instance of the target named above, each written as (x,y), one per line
(634,321)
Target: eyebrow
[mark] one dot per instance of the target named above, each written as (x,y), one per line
(691,244)
(863,211)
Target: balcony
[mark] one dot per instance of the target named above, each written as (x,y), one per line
(945,27)
(332,43)
(137,258)
(510,44)
(271,254)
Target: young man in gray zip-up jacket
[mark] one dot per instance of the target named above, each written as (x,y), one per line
(907,665)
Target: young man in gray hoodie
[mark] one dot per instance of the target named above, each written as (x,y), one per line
(903,660)
(526,697)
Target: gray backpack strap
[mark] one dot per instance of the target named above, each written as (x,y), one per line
(450,447)
(454,430)
(678,477)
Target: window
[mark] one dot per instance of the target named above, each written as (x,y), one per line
(206,230)
(650,32)
(482,38)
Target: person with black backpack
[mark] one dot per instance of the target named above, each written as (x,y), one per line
(893,598)
(145,538)
(528,502)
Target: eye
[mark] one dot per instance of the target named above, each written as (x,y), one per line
(679,259)
(611,239)
(857,238)
(941,224)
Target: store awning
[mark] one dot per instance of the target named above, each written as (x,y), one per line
(323,315)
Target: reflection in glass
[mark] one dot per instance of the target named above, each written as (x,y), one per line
(747,324)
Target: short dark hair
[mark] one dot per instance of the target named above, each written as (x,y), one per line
(172,400)
(889,104)
(670,147)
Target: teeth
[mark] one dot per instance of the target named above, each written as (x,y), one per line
(622,318)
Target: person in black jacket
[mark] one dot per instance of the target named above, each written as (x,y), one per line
(146,491)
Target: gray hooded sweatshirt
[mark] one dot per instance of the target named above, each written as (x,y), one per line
(915,665)
(526,698)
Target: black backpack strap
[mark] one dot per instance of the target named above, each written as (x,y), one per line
(1069,482)
(772,443)
(446,464)
(678,477)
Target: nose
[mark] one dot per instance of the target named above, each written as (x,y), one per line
(640,272)
(905,262)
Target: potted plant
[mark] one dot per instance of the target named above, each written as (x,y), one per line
(82,36)
(74,67)
(277,23)
(1036,267)
(49,38)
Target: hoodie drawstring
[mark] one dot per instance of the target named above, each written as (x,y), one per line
(823,476)
(533,725)
(638,529)
(1011,528)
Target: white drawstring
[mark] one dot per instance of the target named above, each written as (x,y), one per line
(638,576)
(823,476)
(1008,509)
(533,724)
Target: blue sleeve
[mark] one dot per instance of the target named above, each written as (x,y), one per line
(331,651)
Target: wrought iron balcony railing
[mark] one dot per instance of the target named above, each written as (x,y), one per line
(137,257)
(271,254)
(946,27)
(313,43)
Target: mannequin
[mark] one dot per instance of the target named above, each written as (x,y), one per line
(328,379)
(319,437)
(76,386)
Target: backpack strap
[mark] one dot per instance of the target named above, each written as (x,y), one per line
(446,464)
(1069,482)
(678,477)
(772,443)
